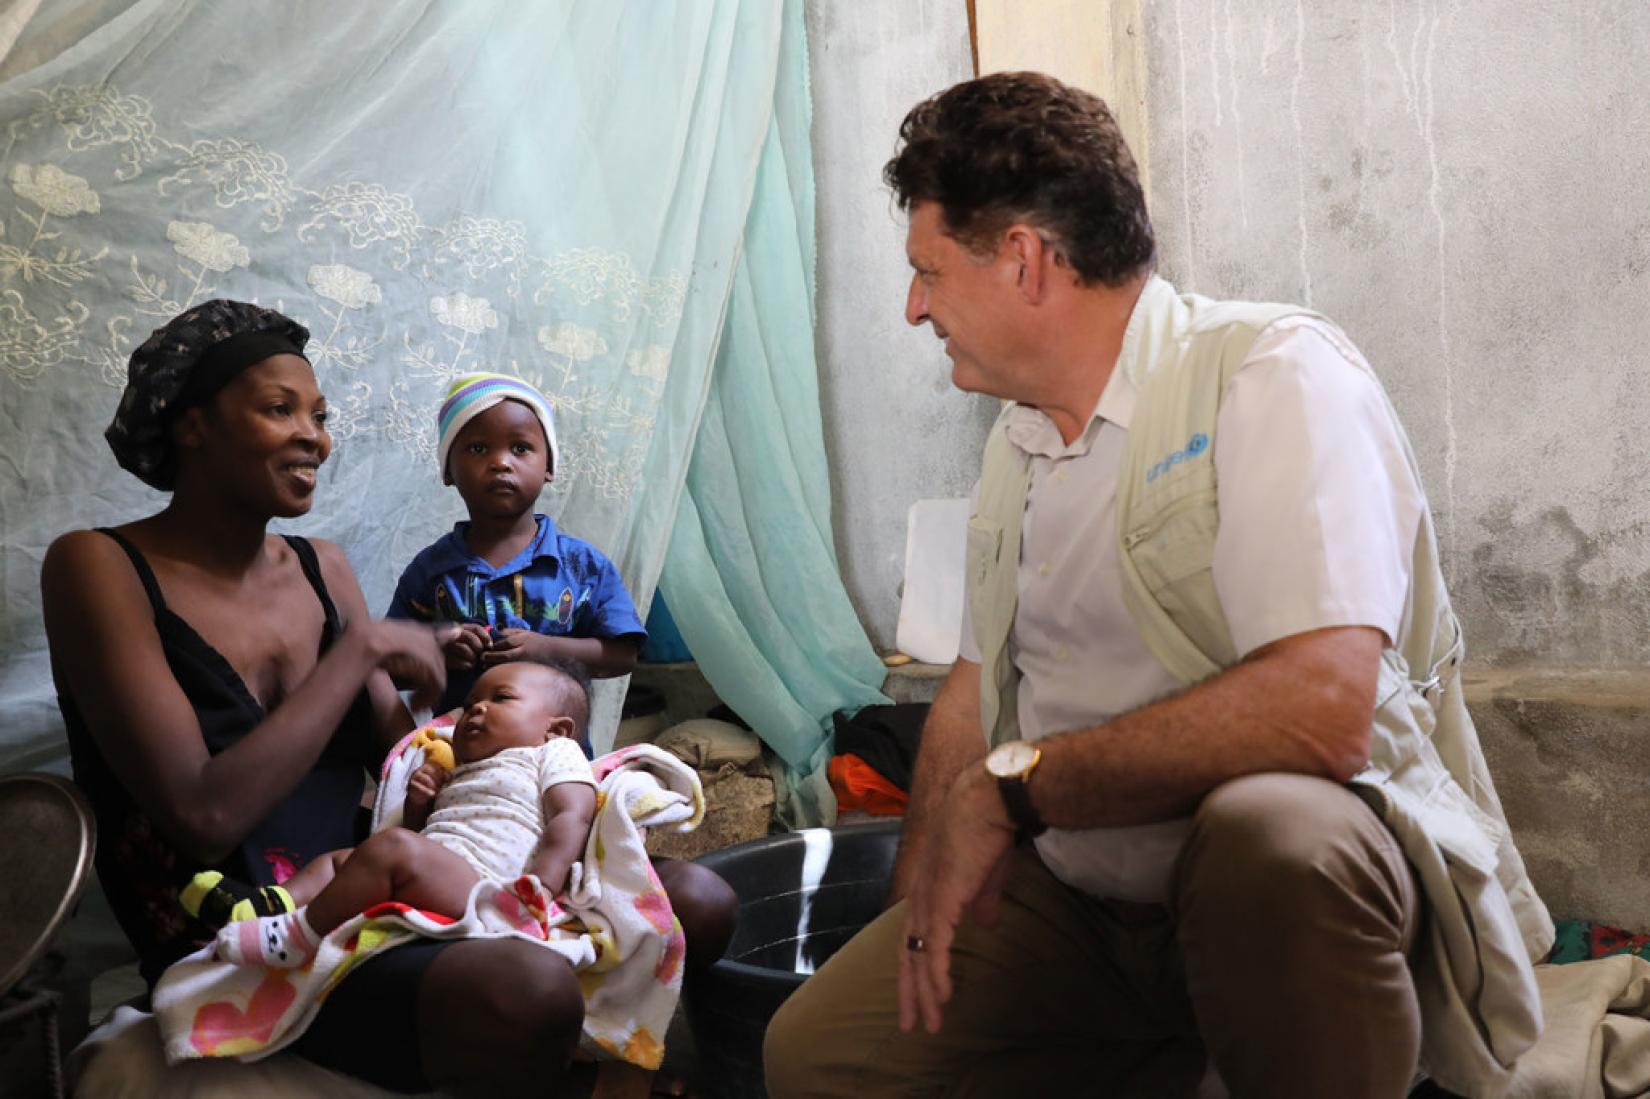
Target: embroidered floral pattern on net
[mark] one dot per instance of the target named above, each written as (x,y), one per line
(57,194)
(238,171)
(30,347)
(96,116)
(471,275)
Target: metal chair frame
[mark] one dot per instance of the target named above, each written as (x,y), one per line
(20,1000)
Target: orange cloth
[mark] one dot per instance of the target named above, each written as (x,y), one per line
(860,786)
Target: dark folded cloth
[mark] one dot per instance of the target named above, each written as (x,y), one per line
(885,737)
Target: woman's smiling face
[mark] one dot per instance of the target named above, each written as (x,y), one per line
(265,433)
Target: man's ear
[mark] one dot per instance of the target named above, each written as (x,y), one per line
(561,726)
(1026,247)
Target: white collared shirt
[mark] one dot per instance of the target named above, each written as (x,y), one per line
(1319,512)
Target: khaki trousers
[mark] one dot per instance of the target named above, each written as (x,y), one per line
(1282,957)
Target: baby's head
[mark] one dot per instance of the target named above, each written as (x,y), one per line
(521,704)
(496,443)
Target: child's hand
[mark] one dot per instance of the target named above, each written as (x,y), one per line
(511,644)
(422,788)
(462,643)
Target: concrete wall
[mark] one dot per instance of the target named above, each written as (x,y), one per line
(895,430)
(1462,186)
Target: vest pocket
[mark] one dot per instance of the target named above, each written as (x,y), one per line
(1173,552)
(1404,719)
(1478,996)
(1175,540)
(985,541)
(987,593)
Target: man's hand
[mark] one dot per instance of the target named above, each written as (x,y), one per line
(964,861)
(462,643)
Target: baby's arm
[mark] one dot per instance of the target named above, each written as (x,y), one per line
(569,807)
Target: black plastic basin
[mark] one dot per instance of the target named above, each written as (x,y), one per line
(801,896)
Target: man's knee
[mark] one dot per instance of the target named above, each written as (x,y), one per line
(787,1046)
(1265,843)
(837,1036)
(1295,911)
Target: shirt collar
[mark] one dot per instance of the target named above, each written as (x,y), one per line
(545,542)
(453,551)
(1032,431)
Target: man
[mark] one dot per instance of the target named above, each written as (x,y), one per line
(1200,789)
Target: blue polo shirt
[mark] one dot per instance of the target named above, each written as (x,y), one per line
(558,585)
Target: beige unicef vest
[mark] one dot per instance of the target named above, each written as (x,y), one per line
(1426,777)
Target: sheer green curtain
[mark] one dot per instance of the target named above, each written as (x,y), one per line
(582,194)
(751,575)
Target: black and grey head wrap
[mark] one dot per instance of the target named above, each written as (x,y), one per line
(183,364)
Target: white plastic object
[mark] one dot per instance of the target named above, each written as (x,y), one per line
(931,607)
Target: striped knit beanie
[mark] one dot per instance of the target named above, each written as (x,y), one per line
(473,394)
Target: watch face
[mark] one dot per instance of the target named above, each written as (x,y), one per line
(1008,760)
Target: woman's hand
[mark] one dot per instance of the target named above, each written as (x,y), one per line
(411,655)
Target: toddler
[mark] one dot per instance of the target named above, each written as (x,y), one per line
(512,586)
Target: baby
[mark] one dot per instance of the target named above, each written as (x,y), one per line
(520,801)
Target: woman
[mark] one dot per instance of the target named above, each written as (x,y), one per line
(225,690)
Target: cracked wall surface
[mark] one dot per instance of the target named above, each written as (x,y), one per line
(895,430)
(1461,186)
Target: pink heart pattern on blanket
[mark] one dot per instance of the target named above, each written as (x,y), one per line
(614,927)
(223,1030)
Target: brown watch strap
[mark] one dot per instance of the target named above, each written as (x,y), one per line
(1020,810)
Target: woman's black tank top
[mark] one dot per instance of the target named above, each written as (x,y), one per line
(141,873)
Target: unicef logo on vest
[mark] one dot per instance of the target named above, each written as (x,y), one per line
(1196,445)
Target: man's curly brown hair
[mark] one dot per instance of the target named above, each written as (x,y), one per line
(1023,147)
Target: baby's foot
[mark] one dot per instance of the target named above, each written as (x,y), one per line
(217,900)
(285,940)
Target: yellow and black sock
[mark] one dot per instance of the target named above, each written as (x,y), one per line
(216,900)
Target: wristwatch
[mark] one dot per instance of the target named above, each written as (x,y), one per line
(1011,765)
